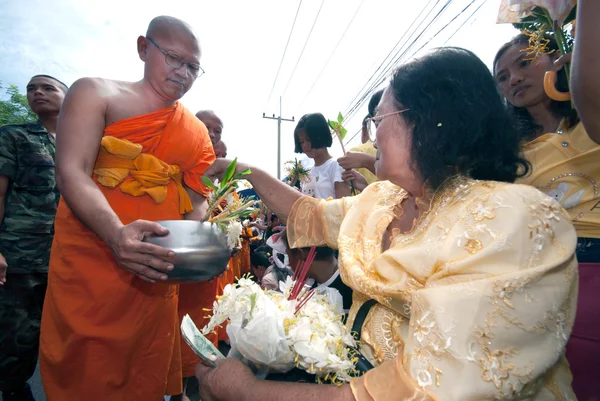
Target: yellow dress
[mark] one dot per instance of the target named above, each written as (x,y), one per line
(368,148)
(476,303)
(566,166)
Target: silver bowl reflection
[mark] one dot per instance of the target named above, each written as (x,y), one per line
(201,251)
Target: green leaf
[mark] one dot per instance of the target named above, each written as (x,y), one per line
(207,181)
(333,125)
(241,174)
(229,173)
(340,118)
(343,132)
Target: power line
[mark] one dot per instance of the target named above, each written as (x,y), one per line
(445,26)
(353,136)
(401,40)
(304,47)
(442,29)
(465,21)
(283,55)
(399,55)
(332,53)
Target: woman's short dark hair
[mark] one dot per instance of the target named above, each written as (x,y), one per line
(459,122)
(316,128)
(526,124)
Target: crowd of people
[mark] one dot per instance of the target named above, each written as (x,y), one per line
(463,234)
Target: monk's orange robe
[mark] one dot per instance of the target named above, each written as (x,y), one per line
(194,300)
(198,304)
(106,334)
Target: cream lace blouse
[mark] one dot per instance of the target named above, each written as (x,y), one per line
(476,303)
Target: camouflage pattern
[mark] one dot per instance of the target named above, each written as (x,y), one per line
(27,159)
(21,300)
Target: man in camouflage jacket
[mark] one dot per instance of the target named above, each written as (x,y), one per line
(28,201)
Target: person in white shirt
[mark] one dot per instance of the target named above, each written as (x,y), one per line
(312,137)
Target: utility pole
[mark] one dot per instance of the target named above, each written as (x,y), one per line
(279,120)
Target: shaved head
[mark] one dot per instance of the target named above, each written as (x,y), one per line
(220,150)
(213,123)
(171,53)
(203,114)
(163,26)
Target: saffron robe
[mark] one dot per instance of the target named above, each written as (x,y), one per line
(106,334)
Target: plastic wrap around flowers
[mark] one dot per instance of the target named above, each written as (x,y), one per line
(283,330)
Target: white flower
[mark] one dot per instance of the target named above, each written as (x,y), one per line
(265,328)
(234,231)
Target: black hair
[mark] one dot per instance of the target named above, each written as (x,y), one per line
(527,126)
(373,103)
(459,122)
(282,274)
(316,128)
(63,86)
(259,259)
(321,252)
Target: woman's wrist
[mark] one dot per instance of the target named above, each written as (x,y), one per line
(239,167)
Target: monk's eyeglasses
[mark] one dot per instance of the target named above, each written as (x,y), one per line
(177,62)
(373,122)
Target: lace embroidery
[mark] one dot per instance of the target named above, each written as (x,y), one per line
(433,343)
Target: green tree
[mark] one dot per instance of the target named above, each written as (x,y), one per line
(15,109)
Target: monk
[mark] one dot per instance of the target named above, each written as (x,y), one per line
(128,154)
(220,150)
(195,299)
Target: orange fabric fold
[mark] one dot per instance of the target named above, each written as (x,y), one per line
(119,159)
(107,335)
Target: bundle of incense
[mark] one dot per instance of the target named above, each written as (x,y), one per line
(307,295)
(300,274)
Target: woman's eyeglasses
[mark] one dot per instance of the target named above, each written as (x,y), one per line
(373,122)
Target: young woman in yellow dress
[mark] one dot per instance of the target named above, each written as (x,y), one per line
(560,142)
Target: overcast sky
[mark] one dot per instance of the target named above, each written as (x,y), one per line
(242,44)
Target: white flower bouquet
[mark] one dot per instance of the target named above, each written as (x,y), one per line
(277,331)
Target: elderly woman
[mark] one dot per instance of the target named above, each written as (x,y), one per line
(474,278)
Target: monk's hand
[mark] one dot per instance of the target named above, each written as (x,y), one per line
(143,259)
(230,380)
(3,268)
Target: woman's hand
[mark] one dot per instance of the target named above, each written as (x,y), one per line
(561,61)
(359,180)
(357,160)
(230,380)
(217,169)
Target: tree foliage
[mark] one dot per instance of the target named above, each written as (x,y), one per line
(15,109)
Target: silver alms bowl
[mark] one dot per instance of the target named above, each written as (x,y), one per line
(201,251)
